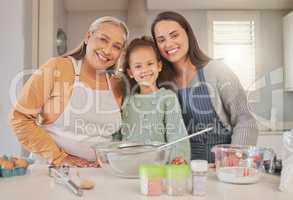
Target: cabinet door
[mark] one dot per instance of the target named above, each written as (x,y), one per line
(288,50)
(271,141)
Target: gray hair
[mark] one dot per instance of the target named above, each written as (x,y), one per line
(107,19)
(79,52)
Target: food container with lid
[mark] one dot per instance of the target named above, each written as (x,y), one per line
(152,179)
(177,179)
(199,170)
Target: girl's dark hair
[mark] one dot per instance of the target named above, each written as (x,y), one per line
(195,54)
(137,43)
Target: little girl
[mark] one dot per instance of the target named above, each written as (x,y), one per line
(149,113)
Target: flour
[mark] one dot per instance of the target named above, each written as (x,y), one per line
(238,175)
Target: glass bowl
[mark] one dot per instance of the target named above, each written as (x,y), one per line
(125,162)
(240,164)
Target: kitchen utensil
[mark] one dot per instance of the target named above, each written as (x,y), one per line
(64,169)
(124,159)
(62,178)
(132,144)
(185,138)
(160,145)
(240,164)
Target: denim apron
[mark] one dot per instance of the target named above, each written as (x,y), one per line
(198,113)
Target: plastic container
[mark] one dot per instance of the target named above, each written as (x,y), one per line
(152,179)
(177,178)
(20,171)
(199,170)
(12,166)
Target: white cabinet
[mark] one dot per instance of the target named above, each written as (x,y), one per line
(272,140)
(288,50)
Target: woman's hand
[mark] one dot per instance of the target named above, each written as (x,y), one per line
(75,161)
(178,161)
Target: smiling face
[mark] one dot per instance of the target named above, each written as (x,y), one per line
(172,41)
(104,46)
(144,66)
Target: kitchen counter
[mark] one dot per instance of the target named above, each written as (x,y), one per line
(38,185)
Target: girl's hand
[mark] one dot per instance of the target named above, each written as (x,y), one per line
(178,161)
(75,161)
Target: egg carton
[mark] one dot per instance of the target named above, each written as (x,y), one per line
(16,171)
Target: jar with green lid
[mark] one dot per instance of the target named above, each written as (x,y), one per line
(177,178)
(151,179)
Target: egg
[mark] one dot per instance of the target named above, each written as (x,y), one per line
(87,184)
(21,163)
(1,160)
(6,164)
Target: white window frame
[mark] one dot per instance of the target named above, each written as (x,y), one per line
(236,16)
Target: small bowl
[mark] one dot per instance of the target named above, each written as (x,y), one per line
(125,162)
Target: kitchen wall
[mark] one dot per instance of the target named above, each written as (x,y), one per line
(53,17)
(60,20)
(15,55)
(79,22)
(271,94)
(270,69)
(288,107)
(82,20)
(198,21)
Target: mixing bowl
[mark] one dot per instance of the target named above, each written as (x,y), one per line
(240,164)
(124,159)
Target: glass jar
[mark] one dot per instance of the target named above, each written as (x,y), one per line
(240,164)
(151,179)
(177,177)
(199,170)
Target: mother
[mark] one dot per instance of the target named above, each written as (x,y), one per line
(209,93)
(73,101)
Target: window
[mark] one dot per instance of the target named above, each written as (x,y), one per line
(232,37)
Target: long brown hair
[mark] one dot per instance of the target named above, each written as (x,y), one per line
(195,54)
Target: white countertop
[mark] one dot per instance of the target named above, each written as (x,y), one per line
(280,132)
(38,185)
